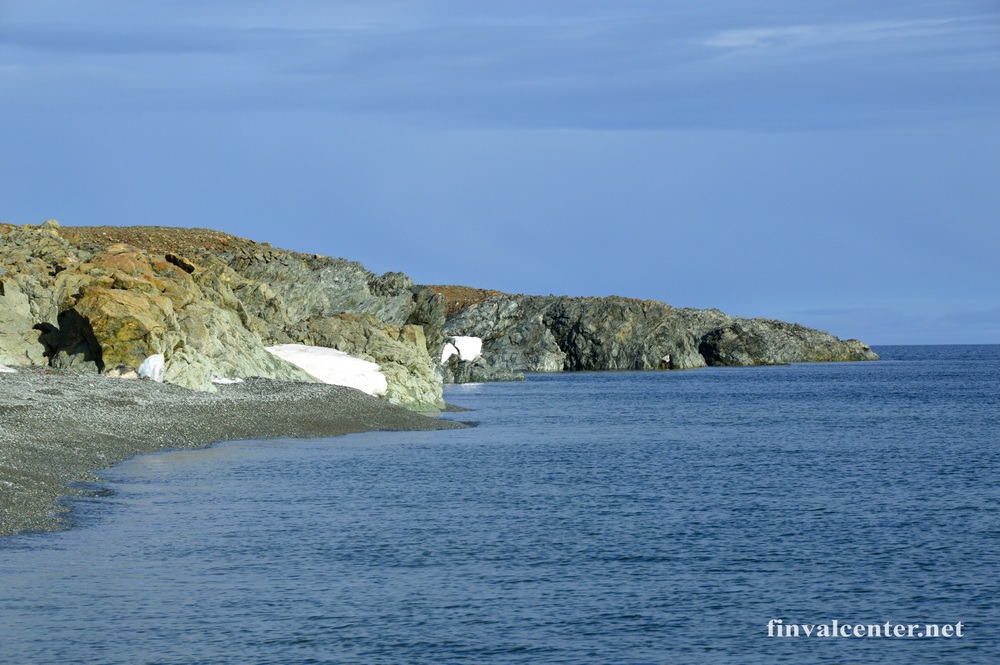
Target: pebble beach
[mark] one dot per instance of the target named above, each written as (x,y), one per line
(58,428)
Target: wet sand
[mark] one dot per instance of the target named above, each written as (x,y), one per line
(57,428)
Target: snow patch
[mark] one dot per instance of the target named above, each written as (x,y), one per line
(334,367)
(469,348)
(466,348)
(223,381)
(8,370)
(152,367)
(448,351)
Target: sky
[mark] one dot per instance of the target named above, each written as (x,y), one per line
(832,163)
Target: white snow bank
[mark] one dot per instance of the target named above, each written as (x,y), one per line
(152,367)
(223,381)
(448,351)
(9,370)
(334,367)
(466,348)
(469,348)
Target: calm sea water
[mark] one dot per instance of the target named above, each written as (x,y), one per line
(591,518)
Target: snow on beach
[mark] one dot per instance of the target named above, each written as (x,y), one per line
(334,367)
(9,370)
(152,367)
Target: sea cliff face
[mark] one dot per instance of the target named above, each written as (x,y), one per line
(104,299)
(550,334)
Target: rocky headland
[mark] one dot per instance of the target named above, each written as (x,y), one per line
(104,299)
(84,309)
(558,333)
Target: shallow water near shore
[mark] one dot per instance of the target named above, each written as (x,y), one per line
(659,517)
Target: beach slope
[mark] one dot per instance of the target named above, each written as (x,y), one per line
(60,427)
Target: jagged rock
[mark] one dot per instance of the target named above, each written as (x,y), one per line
(429,312)
(618,333)
(462,361)
(189,369)
(548,333)
(181,262)
(400,352)
(217,338)
(71,344)
(128,327)
(30,258)
(455,370)
(20,341)
(768,342)
(94,298)
(257,306)
(316,286)
(98,303)
(514,334)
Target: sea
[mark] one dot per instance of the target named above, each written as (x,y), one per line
(703,516)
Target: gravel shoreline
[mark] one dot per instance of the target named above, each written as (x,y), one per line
(60,427)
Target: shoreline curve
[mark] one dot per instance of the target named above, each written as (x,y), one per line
(59,427)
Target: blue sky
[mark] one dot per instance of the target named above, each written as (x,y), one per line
(831,163)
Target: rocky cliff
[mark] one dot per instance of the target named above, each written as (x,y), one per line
(550,334)
(105,298)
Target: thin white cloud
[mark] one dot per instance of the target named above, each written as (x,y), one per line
(830,34)
(758,36)
(507,65)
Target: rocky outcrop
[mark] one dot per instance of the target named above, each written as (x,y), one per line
(462,361)
(400,352)
(105,298)
(20,341)
(429,309)
(456,370)
(548,333)
(768,342)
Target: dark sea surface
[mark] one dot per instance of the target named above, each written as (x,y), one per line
(659,517)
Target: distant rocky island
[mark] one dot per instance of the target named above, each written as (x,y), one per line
(215,308)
